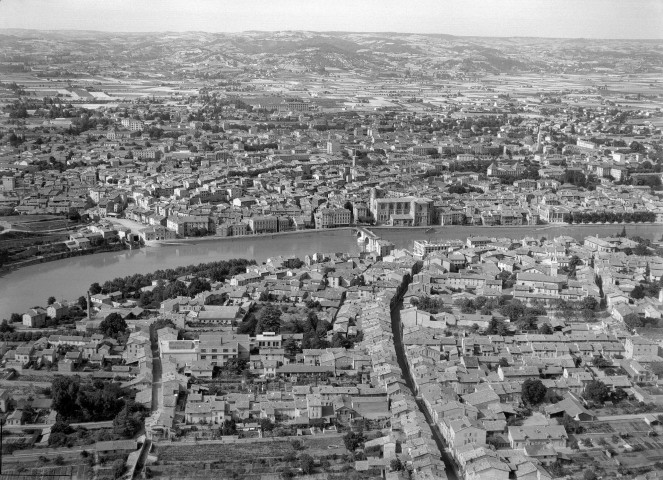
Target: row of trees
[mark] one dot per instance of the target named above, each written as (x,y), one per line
(162,291)
(9,335)
(126,424)
(428,304)
(534,393)
(602,217)
(585,309)
(78,401)
(215,271)
(270,318)
(524,316)
(646,289)
(633,320)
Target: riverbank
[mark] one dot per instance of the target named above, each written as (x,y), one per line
(52,257)
(394,234)
(382,228)
(241,238)
(535,227)
(71,277)
(404,237)
(173,242)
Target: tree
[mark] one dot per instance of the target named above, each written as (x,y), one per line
(4,256)
(348,206)
(574,262)
(306,463)
(533,391)
(118,468)
(430,305)
(514,310)
(527,322)
(59,432)
(129,421)
(229,427)
(545,329)
(15,318)
(197,286)
(248,326)
(51,300)
(65,392)
(633,320)
(600,362)
(396,465)
(588,315)
(266,425)
(496,326)
(82,303)
(638,292)
(113,325)
(296,263)
(74,215)
(641,249)
(466,305)
(353,440)
(597,391)
(6,327)
(269,319)
(95,288)
(235,366)
(291,347)
(589,303)
(89,401)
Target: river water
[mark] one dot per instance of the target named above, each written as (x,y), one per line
(70,278)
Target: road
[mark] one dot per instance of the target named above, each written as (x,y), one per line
(142,458)
(86,425)
(24,383)
(634,416)
(156,376)
(156,385)
(125,222)
(402,363)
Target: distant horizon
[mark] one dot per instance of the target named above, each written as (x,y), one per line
(368,32)
(555,19)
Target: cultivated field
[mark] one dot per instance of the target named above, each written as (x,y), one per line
(258,459)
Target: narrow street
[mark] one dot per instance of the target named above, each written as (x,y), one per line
(140,463)
(156,379)
(156,385)
(402,363)
(156,370)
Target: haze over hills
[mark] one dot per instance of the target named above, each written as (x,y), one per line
(424,55)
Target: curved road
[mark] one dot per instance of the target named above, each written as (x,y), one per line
(402,363)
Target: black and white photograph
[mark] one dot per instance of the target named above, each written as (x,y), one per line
(331,239)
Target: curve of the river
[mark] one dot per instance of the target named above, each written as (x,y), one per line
(70,278)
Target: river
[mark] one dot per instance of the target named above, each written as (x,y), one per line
(69,278)
(403,237)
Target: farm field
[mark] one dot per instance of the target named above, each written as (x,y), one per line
(261,459)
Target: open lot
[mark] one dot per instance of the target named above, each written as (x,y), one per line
(253,459)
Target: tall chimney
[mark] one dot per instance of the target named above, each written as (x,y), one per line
(89,305)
